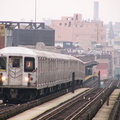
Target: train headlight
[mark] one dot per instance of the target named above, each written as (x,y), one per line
(26,79)
(4,78)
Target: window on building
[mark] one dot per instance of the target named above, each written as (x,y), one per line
(69,24)
(76,17)
(65,24)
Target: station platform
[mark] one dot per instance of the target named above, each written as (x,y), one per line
(34,112)
(104,112)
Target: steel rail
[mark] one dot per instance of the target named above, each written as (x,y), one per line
(63,106)
(87,105)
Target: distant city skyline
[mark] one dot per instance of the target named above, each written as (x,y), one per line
(24,10)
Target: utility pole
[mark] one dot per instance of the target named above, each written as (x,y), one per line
(35,10)
(73,82)
(99,78)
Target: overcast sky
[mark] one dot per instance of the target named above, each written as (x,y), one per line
(24,10)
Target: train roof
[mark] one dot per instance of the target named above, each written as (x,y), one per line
(16,51)
(33,52)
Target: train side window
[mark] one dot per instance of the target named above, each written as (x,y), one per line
(29,64)
(3,63)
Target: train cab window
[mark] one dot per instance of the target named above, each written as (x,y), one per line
(29,64)
(2,63)
(16,63)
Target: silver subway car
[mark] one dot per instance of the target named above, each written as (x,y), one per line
(27,73)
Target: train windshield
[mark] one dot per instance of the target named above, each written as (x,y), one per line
(16,63)
(2,63)
(29,64)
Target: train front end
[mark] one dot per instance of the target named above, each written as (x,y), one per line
(18,74)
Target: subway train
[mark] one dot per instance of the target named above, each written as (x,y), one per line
(26,73)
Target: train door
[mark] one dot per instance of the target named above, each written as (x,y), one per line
(15,70)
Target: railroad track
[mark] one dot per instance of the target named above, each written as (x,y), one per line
(77,106)
(4,109)
(110,83)
(16,109)
(9,110)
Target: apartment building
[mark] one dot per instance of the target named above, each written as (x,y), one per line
(74,29)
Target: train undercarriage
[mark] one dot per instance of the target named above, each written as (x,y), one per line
(26,94)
